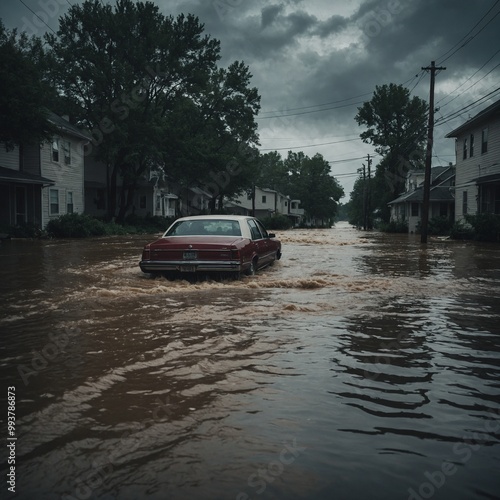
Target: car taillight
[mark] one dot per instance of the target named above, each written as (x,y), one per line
(146,253)
(235,255)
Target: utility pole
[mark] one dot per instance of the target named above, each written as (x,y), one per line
(365,225)
(428,156)
(369,195)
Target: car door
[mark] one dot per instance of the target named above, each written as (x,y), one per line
(258,241)
(262,242)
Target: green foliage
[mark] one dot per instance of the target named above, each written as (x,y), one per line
(149,88)
(22,231)
(75,226)
(23,93)
(396,126)
(394,226)
(461,231)
(438,226)
(83,226)
(277,222)
(311,183)
(486,226)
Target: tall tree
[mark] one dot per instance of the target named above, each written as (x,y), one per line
(396,126)
(312,183)
(145,83)
(23,92)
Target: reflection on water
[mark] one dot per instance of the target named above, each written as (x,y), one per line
(359,366)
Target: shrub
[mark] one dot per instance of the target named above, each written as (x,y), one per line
(461,231)
(75,226)
(277,222)
(394,226)
(486,226)
(440,226)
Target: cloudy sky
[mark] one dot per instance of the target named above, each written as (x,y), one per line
(315,61)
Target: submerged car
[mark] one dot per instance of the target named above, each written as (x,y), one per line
(212,243)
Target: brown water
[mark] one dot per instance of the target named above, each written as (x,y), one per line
(359,366)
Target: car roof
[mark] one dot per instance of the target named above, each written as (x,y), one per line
(218,217)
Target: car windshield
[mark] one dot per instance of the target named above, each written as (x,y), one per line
(205,227)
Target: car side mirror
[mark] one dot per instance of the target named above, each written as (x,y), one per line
(271,235)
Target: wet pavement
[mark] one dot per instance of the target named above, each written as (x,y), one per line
(359,366)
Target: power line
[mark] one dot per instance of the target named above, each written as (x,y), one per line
(311,145)
(460,111)
(35,14)
(468,40)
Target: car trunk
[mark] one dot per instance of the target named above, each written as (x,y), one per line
(193,248)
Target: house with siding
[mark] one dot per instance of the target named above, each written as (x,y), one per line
(408,206)
(39,182)
(477,147)
(268,202)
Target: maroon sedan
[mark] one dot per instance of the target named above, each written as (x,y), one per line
(212,243)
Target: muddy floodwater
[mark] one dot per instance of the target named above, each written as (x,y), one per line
(360,366)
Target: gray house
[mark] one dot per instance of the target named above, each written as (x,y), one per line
(408,206)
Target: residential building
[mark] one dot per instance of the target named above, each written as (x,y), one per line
(477,145)
(408,207)
(268,202)
(44,181)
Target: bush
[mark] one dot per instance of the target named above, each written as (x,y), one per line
(394,226)
(461,231)
(277,222)
(438,226)
(486,226)
(75,226)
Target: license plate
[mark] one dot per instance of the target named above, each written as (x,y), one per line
(188,269)
(189,255)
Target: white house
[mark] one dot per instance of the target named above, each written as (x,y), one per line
(63,162)
(477,188)
(268,202)
(38,183)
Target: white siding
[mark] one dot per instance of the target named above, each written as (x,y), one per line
(479,165)
(67,178)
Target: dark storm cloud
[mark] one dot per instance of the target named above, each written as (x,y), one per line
(311,60)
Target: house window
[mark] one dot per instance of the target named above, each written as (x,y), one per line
(286,203)
(465,150)
(484,141)
(414,209)
(54,201)
(158,203)
(142,201)
(443,209)
(69,202)
(67,152)
(264,199)
(464,202)
(55,150)
(471,146)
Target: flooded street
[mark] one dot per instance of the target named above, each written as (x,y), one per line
(361,365)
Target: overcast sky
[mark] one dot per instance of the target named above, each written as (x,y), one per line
(315,61)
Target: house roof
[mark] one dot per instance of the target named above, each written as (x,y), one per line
(7,174)
(483,116)
(436,194)
(66,126)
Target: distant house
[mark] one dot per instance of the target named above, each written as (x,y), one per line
(268,202)
(477,146)
(408,206)
(38,183)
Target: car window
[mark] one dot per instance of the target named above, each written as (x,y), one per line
(254,230)
(262,229)
(207,227)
